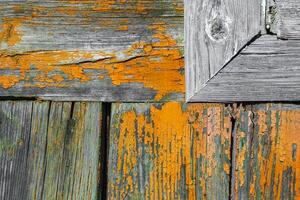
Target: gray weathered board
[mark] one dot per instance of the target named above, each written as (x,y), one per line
(49,150)
(92,50)
(236,56)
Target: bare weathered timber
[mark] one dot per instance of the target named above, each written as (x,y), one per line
(49,150)
(267,152)
(288,12)
(266,70)
(169,151)
(92,50)
(214,32)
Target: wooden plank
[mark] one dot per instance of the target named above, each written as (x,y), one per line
(15,118)
(169,151)
(267,148)
(49,150)
(92,50)
(214,32)
(82,154)
(267,70)
(288,19)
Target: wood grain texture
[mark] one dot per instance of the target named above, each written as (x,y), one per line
(288,19)
(214,32)
(169,151)
(267,70)
(104,50)
(49,150)
(267,152)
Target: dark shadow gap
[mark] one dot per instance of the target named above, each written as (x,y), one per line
(234,127)
(104,150)
(12,98)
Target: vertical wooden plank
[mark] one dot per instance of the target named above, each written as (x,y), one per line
(169,151)
(60,158)
(38,149)
(267,161)
(15,118)
(82,152)
(59,116)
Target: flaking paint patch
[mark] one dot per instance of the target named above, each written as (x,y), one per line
(268,154)
(276,154)
(156,151)
(7,81)
(9,33)
(156,65)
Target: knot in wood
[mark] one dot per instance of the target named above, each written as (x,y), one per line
(217,29)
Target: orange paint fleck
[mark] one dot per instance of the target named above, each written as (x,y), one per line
(7,81)
(75,72)
(57,78)
(9,33)
(148,48)
(140,8)
(123,28)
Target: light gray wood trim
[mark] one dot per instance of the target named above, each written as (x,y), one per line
(288,19)
(267,70)
(215,31)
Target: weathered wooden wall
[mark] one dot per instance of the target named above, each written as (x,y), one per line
(51,150)
(127,51)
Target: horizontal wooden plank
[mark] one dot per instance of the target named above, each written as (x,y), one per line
(49,150)
(214,32)
(267,152)
(288,19)
(169,151)
(267,70)
(83,25)
(92,50)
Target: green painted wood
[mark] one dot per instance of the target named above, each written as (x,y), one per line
(49,150)
(266,152)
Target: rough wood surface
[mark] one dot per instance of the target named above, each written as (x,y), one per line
(267,152)
(169,151)
(49,150)
(104,50)
(215,31)
(288,19)
(267,70)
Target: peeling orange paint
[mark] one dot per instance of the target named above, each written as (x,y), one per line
(171,138)
(157,67)
(264,156)
(7,81)
(281,141)
(10,33)
(123,28)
